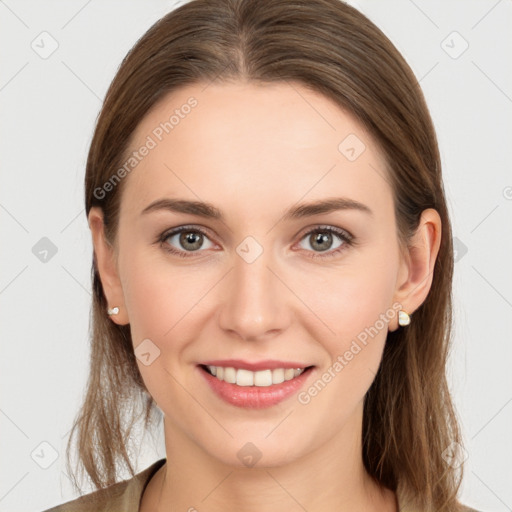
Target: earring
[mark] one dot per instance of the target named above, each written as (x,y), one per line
(403,318)
(113,311)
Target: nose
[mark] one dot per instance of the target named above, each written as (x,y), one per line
(256,301)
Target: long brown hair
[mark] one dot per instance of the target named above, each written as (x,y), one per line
(333,49)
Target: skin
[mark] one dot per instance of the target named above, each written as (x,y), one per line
(253,152)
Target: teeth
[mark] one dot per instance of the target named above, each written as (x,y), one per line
(277,376)
(289,373)
(243,377)
(262,378)
(230,375)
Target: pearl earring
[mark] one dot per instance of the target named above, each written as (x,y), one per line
(113,311)
(403,318)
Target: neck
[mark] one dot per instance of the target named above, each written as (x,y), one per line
(331,477)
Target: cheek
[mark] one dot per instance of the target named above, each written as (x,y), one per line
(350,299)
(165,305)
(161,300)
(159,295)
(352,308)
(358,310)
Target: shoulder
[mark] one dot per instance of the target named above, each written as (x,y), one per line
(121,497)
(110,498)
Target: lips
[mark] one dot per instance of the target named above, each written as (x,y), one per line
(254,366)
(254,385)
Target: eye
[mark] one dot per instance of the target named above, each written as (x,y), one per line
(326,239)
(185,239)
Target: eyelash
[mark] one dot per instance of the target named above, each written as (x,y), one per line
(348,240)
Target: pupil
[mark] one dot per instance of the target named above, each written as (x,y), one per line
(320,238)
(194,239)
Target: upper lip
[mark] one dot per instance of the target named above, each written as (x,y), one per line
(269,364)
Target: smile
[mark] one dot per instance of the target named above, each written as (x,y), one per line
(262,378)
(255,386)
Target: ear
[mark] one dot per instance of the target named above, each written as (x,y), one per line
(106,262)
(417,266)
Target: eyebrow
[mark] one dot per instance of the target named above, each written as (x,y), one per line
(208,211)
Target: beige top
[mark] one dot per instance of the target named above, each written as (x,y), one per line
(125,496)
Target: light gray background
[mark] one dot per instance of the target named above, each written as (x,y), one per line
(49,106)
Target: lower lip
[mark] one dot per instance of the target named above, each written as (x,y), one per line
(255,397)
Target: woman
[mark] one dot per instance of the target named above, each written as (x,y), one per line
(272,270)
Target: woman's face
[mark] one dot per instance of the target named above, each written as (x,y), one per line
(268,283)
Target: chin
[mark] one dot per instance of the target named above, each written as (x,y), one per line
(256,451)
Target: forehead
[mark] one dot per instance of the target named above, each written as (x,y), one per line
(245,145)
